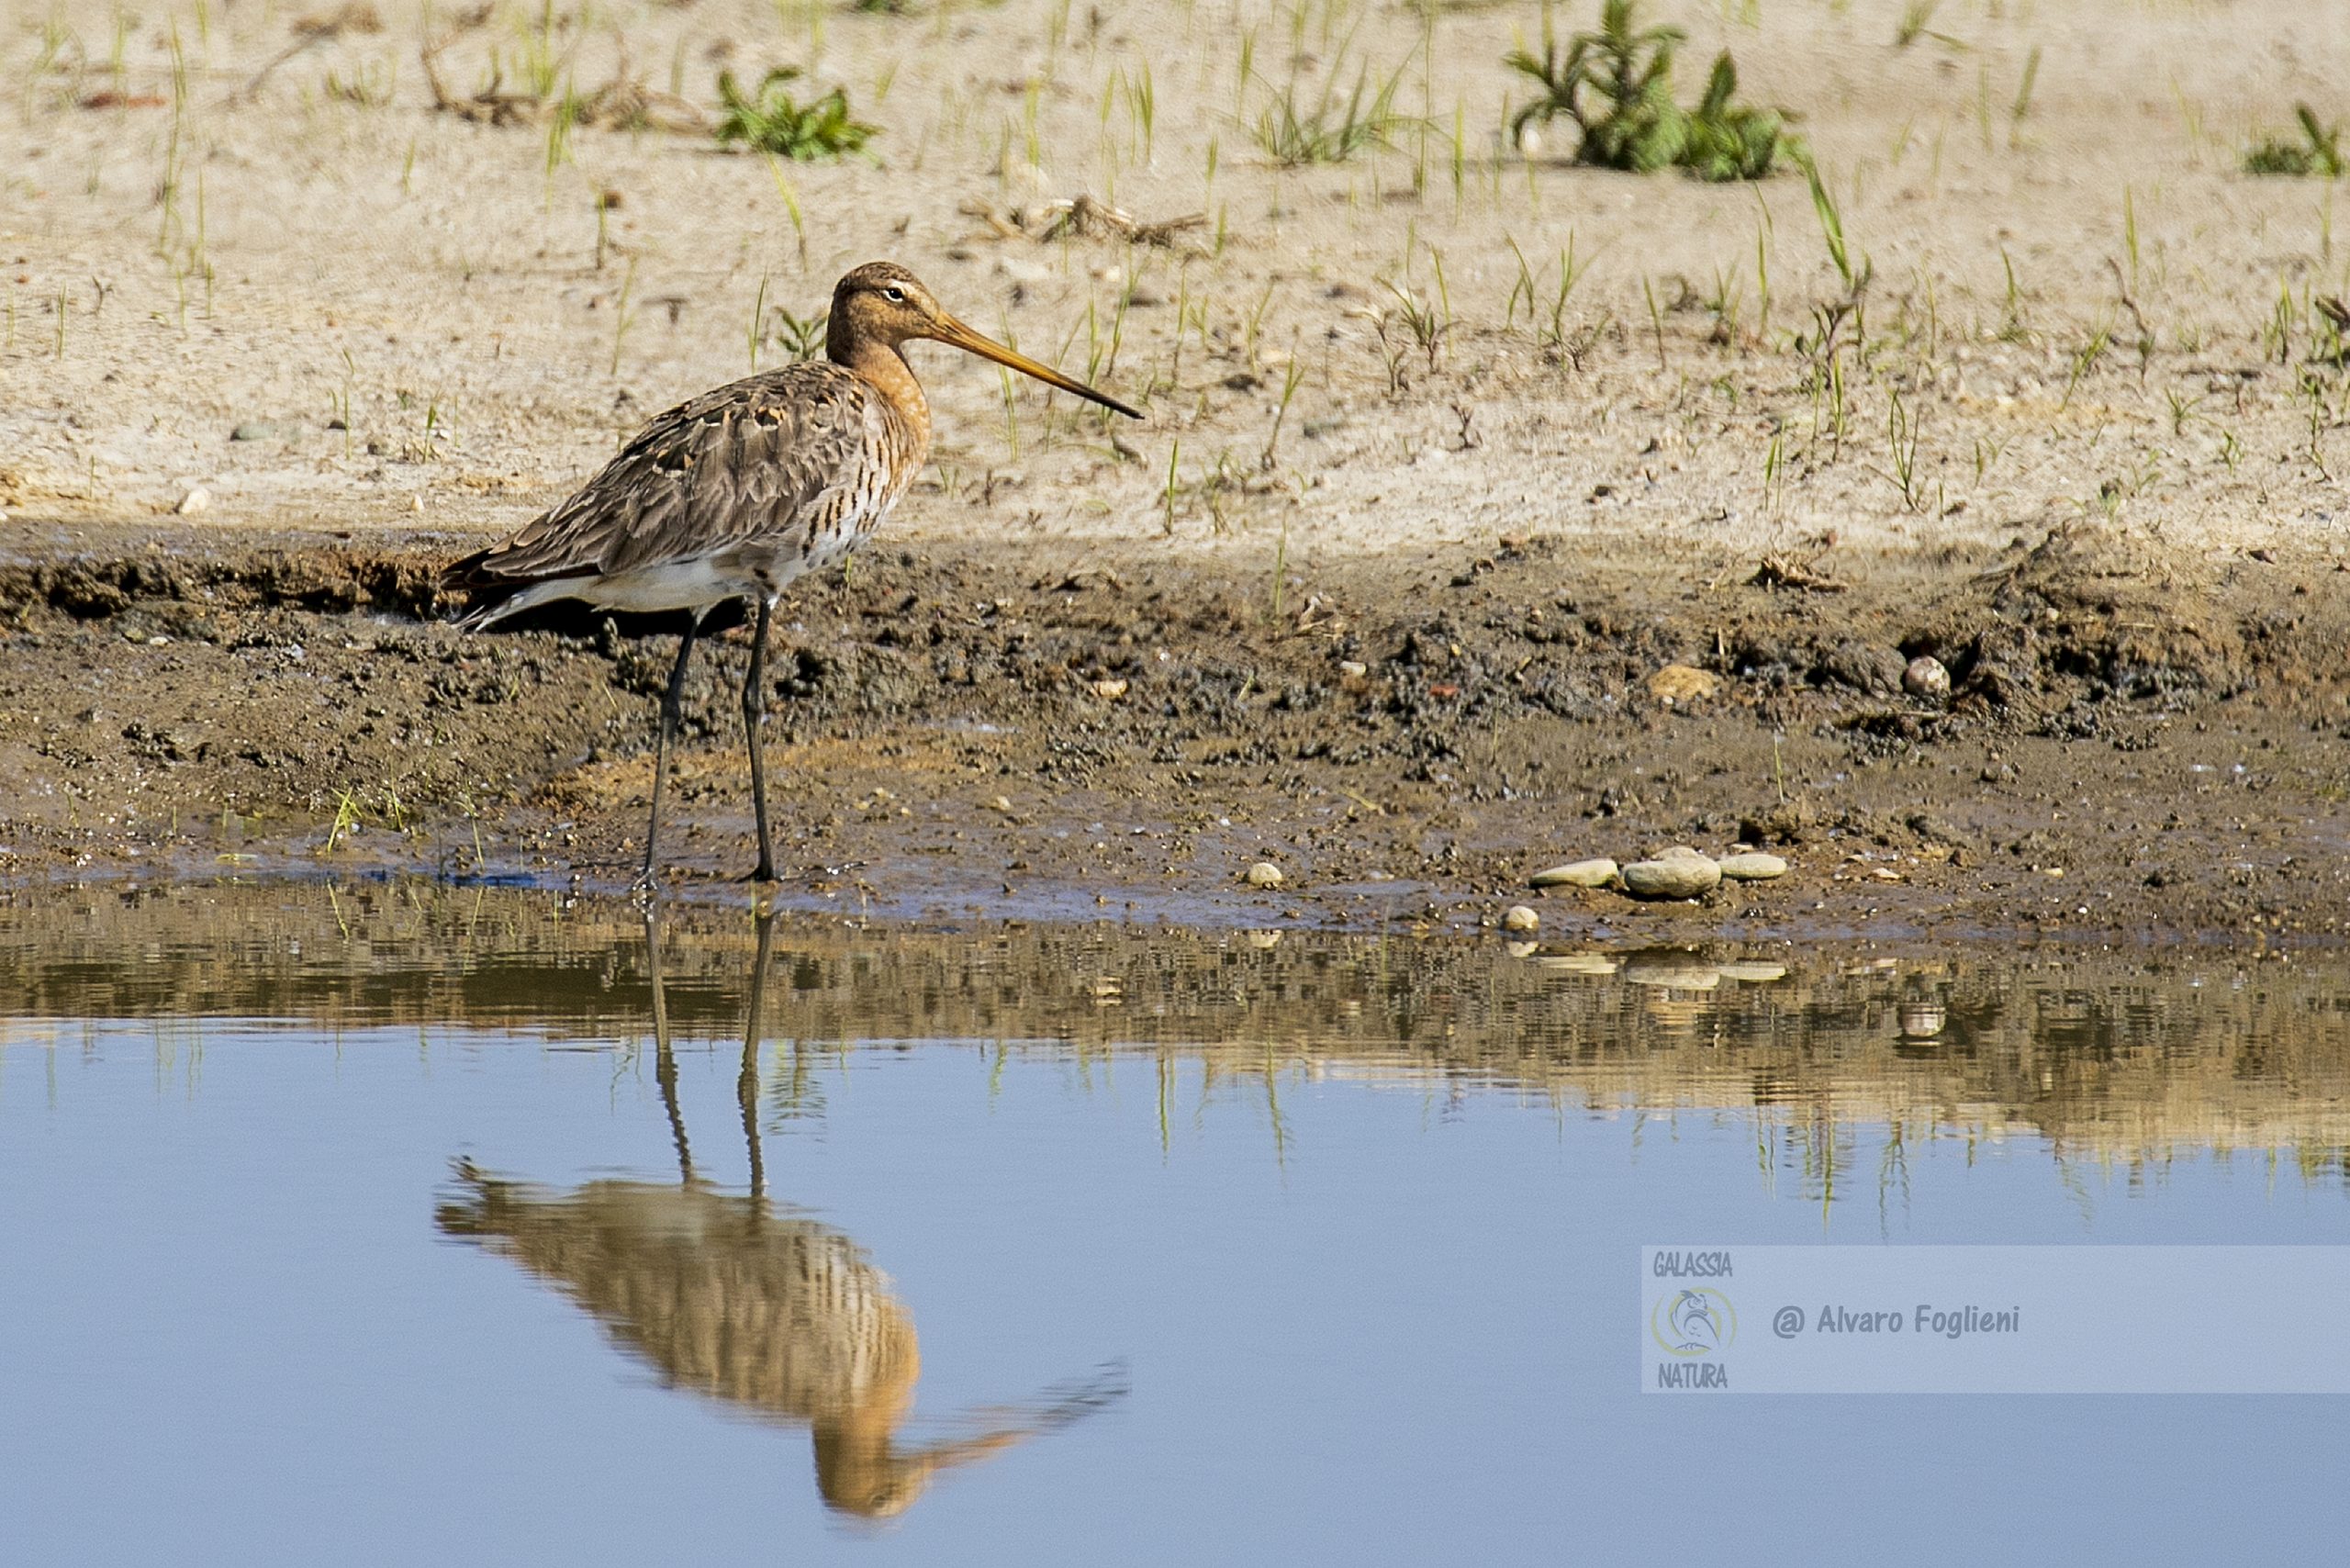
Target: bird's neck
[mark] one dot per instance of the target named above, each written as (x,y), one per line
(887,369)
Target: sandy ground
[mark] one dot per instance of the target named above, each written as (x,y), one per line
(1395,617)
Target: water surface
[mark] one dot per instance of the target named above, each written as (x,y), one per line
(400,1224)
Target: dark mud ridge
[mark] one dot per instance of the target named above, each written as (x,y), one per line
(2132,743)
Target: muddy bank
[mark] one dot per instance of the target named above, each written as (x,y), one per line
(2134,744)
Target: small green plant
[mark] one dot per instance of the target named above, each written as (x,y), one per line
(1916,17)
(1629,120)
(2320,151)
(1732,141)
(773,121)
(802,337)
(1831,230)
(348,820)
(1328,130)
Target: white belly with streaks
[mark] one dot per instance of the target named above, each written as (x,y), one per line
(673,585)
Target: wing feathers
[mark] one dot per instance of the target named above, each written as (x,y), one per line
(762,459)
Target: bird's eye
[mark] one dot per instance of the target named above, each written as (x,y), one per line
(894,295)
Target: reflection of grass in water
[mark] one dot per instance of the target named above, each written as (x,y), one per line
(2117,1061)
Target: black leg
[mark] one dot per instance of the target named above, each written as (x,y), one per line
(754,709)
(746,1084)
(665,1060)
(672,716)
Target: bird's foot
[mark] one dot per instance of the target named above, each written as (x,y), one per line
(764,872)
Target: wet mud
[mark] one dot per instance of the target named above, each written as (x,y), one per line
(2134,743)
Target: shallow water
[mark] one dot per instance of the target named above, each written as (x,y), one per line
(382,1225)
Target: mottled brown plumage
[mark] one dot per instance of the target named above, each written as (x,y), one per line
(745,487)
(742,489)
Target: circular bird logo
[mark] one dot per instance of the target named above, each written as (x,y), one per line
(1696,1322)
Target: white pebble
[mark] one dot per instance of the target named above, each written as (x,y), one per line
(1926,678)
(1521,919)
(1674,875)
(1576,874)
(1265,874)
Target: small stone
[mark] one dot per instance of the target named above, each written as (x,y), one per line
(1109,690)
(1922,1020)
(1353,669)
(1926,678)
(259,429)
(1672,876)
(1576,874)
(1753,867)
(1521,919)
(194,502)
(1682,684)
(1001,803)
(1265,874)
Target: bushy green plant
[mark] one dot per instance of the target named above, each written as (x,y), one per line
(1732,141)
(1616,85)
(773,121)
(2319,152)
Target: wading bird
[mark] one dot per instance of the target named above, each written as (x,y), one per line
(736,493)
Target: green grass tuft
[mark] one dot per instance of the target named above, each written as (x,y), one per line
(2319,152)
(1329,130)
(1616,85)
(773,121)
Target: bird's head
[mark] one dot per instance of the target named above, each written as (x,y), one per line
(883,303)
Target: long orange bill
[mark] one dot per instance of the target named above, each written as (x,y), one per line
(955,332)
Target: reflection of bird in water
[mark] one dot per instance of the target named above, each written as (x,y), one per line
(774,1313)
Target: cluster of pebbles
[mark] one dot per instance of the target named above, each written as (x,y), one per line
(1679,872)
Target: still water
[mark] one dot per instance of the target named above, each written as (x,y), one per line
(404,1226)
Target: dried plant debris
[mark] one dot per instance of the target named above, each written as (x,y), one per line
(312,30)
(1782,572)
(625,102)
(1081,217)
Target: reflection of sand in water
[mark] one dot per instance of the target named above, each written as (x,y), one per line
(2135,1058)
(779,1315)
